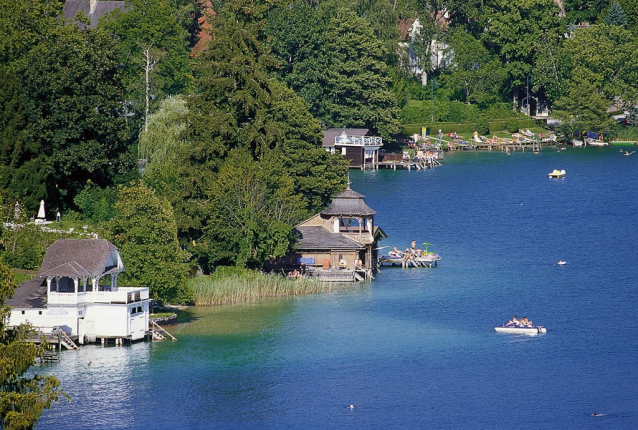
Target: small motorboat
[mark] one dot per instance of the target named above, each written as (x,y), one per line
(561,263)
(557,174)
(520,329)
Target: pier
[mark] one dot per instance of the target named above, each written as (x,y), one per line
(424,159)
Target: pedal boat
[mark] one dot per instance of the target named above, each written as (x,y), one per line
(557,174)
(514,329)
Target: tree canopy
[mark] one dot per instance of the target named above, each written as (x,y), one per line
(22,397)
(145,232)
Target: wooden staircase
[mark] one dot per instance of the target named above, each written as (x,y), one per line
(64,339)
(158,332)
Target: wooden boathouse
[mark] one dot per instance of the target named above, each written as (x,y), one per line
(339,243)
(356,145)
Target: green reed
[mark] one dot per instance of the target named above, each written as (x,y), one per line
(233,286)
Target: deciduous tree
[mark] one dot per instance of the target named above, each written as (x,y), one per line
(22,397)
(147,32)
(474,76)
(145,232)
(71,95)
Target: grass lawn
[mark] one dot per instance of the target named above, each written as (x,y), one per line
(22,275)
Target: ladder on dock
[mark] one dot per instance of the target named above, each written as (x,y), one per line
(64,339)
(157,332)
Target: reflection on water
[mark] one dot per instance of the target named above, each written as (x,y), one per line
(102,383)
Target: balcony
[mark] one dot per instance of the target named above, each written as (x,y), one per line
(364,237)
(359,140)
(121,296)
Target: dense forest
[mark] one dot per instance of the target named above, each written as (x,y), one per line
(189,132)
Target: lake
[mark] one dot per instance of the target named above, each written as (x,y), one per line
(416,347)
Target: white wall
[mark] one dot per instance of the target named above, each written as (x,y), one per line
(39,318)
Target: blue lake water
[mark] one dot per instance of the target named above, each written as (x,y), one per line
(416,348)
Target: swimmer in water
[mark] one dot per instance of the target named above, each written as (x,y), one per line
(351,407)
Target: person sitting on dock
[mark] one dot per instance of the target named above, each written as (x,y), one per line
(406,257)
(395,253)
(293,275)
(358,264)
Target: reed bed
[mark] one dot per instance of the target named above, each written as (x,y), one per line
(248,286)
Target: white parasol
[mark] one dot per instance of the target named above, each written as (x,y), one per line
(41,214)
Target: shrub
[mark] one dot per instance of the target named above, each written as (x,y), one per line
(483,127)
(512,125)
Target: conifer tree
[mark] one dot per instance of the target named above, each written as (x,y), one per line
(616,16)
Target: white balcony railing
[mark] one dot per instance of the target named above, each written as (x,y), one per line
(359,140)
(122,295)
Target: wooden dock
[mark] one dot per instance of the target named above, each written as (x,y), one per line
(424,159)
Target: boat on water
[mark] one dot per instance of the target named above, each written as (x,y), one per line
(557,174)
(520,329)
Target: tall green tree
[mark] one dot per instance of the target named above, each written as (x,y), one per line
(515,30)
(584,106)
(70,94)
(231,105)
(253,208)
(609,53)
(145,232)
(23,23)
(337,67)
(475,76)
(317,175)
(152,50)
(22,397)
(616,16)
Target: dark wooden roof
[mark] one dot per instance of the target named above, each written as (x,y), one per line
(77,257)
(348,203)
(318,238)
(330,134)
(29,294)
(71,8)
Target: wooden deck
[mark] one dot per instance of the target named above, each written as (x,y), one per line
(425,159)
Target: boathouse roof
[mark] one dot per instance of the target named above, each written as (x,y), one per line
(349,203)
(29,294)
(318,238)
(332,133)
(77,258)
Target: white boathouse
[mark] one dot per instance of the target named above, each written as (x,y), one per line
(77,291)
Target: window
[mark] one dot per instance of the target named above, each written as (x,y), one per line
(343,151)
(24,312)
(39,312)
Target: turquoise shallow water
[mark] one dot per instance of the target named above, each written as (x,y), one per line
(416,348)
